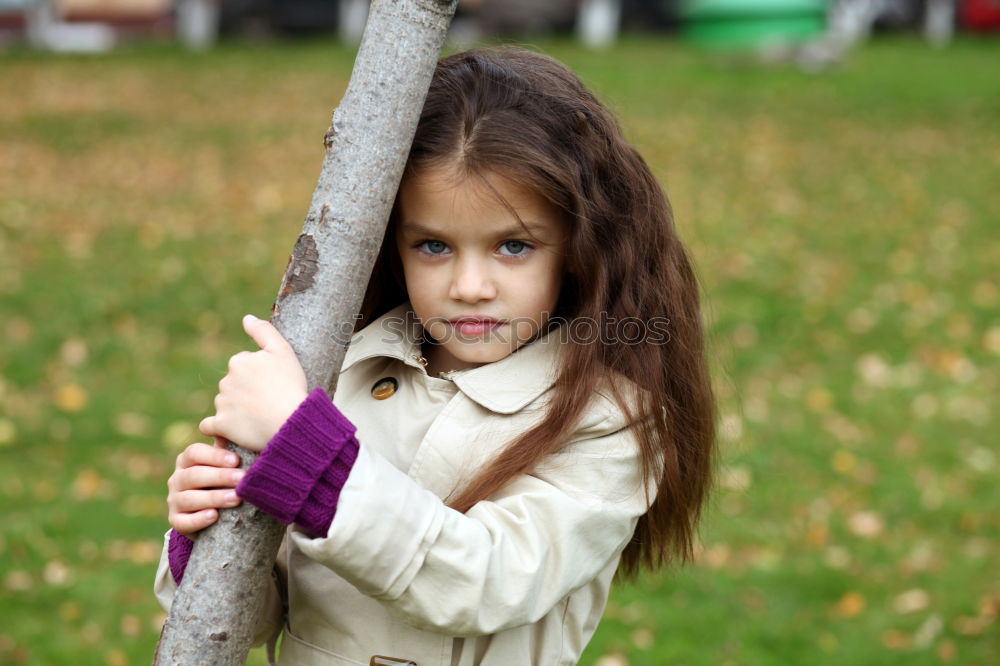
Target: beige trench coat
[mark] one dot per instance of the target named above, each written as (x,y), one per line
(520,579)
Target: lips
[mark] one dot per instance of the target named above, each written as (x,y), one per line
(474,325)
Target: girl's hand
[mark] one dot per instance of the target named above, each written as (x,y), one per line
(202,483)
(260,391)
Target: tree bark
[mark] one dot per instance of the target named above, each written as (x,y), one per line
(214,612)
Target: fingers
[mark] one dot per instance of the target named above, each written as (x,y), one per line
(209,427)
(193,510)
(202,483)
(206,454)
(203,476)
(193,501)
(265,334)
(189,523)
(235,360)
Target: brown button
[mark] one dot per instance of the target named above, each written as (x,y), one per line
(378,660)
(385,388)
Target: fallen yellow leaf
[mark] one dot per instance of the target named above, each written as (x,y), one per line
(716,556)
(8,431)
(73,352)
(866,524)
(70,398)
(144,552)
(178,435)
(736,478)
(116,658)
(985,294)
(817,535)
(989,605)
(895,639)
(642,638)
(69,611)
(991,340)
(971,626)
(818,399)
(56,573)
(850,605)
(612,660)
(88,484)
(911,601)
(157,621)
(874,370)
(91,633)
(19,330)
(131,424)
(844,461)
(946,650)
(18,581)
(130,625)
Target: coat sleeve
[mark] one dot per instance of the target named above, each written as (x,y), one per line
(507,561)
(271,620)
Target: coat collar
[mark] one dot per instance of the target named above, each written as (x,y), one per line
(505,386)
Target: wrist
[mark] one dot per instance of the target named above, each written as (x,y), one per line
(284,412)
(295,463)
(295,401)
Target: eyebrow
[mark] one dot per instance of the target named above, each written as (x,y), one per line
(516,230)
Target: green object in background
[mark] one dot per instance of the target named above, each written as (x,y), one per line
(741,23)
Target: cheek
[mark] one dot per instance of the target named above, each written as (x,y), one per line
(413,277)
(436,328)
(552,280)
(420,289)
(525,330)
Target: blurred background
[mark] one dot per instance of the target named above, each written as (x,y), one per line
(833,167)
(813,32)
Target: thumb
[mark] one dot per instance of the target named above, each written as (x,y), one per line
(264,334)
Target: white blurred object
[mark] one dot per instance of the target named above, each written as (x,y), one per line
(939,21)
(851,21)
(78,38)
(47,31)
(197,23)
(848,22)
(597,22)
(352,19)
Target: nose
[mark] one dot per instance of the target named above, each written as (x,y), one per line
(472,281)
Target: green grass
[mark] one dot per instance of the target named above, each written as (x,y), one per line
(845,227)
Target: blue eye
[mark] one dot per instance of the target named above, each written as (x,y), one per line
(513,248)
(433,247)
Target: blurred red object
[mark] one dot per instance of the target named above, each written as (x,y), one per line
(980,15)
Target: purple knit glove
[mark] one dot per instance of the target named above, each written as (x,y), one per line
(298,476)
(178,552)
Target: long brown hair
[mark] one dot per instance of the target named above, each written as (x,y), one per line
(528,118)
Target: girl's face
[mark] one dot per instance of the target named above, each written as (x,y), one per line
(479,282)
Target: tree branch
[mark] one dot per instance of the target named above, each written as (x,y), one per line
(215,611)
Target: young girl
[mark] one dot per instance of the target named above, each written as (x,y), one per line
(523,410)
